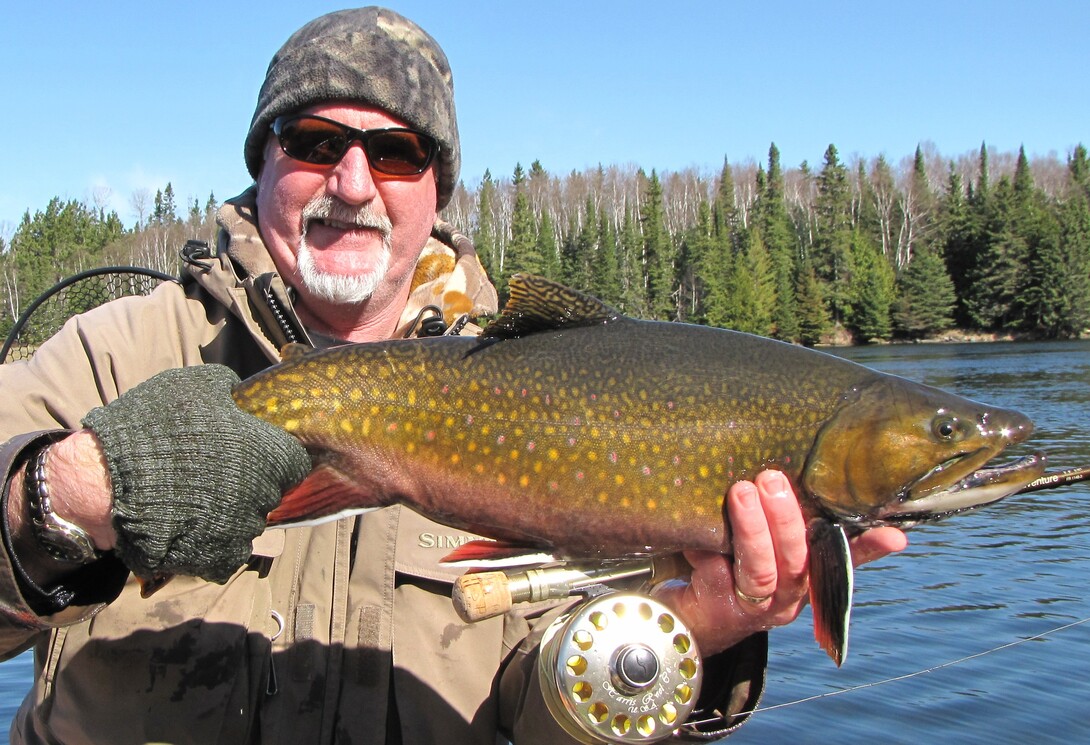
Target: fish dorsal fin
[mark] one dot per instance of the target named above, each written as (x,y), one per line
(293,351)
(539,304)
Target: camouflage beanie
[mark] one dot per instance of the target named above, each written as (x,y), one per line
(370,56)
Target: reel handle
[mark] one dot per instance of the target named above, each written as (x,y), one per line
(480,595)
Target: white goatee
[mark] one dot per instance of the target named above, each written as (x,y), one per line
(342,288)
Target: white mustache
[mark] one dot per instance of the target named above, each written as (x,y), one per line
(331,209)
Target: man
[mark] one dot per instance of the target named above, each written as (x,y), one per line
(125,453)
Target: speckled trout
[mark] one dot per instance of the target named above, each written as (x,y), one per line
(570,427)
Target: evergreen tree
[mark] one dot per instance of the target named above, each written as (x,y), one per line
(606,274)
(1074,274)
(926,296)
(659,254)
(993,278)
(957,239)
(692,258)
(546,249)
(871,290)
(813,317)
(778,234)
(832,244)
(754,282)
(522,250)
(634,298)
(485,236)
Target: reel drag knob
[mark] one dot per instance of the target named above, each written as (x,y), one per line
(620,668)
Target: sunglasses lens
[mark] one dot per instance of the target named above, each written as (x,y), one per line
(313,140)
(399,153)
(320,142)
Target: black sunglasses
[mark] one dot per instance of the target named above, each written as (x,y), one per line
(395,151)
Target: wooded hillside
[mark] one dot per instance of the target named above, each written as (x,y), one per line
(986,242)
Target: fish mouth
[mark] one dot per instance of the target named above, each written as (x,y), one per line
(981,487)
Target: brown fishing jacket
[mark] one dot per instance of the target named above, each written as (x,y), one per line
(344,632)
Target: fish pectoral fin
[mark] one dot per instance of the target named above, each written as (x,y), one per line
(831,586)
(322,496)
(493,554)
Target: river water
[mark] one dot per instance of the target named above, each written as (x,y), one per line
(980,631)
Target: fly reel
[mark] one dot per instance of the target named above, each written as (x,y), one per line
(620,668)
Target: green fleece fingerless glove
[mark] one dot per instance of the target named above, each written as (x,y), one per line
(194,477)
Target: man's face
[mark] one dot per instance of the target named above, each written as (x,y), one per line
(342,233)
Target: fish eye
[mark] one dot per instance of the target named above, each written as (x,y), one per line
(945,428)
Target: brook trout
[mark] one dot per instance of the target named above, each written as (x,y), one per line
(570,427)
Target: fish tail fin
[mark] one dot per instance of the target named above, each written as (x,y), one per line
(322,496)
(831,586)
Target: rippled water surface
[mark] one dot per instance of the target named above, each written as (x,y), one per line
(975,633)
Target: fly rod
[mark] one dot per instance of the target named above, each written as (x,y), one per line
(1058,478)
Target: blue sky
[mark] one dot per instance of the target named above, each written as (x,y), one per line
(121,96)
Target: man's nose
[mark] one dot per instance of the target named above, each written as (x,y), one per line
(351,179)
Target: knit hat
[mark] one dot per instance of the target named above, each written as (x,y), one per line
(370,56)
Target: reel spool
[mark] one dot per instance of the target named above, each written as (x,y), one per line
(620,668)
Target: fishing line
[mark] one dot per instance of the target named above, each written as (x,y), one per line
(918,673)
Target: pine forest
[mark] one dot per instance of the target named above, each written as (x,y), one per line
(987,245)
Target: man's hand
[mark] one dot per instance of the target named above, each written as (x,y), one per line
(193,476)
(765,583)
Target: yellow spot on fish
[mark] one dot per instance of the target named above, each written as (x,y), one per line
(296,404)
(355,394)
(524,480)
(291,425)
(603,497)
(554,454)
(455,459)
(703,471)
(619,480)
(346,426)
(651,504)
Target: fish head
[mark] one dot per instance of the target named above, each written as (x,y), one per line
(900,453)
